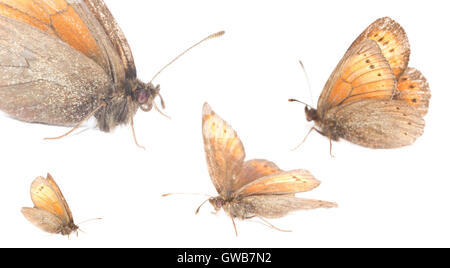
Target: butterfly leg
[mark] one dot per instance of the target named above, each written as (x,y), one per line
(304,139)
(272,226)
(331,146)
(134,134)
(79,124)
(234,225)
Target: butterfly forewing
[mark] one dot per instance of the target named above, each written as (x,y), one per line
(73,22)
(392,40)
(363,73)
(38,74)
(224,150)
(47,196)
(286,182)
(115,35)
(413,88)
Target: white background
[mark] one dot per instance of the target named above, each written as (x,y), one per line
(387,198)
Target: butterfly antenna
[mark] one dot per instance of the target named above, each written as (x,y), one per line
(307,80)
(93,219)
(165,195)
(304,103)
(198,209)
(268,224)
(215,35)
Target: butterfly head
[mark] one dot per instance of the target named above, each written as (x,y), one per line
(145,94)
(217,202)
(311,114)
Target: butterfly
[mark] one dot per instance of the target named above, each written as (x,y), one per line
(373,98)
(51,213)
(64,61)
(252,188)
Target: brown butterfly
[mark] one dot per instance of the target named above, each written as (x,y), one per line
(252,188)
(64,61)
(51,213)
(373,98)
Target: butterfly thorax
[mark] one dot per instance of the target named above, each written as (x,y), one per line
(124,102)
(235,207)
(326,126)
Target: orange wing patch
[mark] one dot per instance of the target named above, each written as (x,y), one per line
(392,40)
(413,88)
(56,17)
(281,183)
(363,73)
(46,195)
(254,169)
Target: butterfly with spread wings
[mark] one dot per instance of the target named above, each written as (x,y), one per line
(252,188)
(373,98)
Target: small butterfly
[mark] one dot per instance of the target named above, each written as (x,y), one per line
(252,188)
(51,213)
(373,98)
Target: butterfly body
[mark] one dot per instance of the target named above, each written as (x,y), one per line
(252,188)
(372,98)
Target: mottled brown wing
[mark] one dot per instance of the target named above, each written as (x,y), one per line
(47,196)
(276,206)
(44,80)
(363,73)
(413,88)
(43,219)
(392,40)
(86,25)
(254,169)
(378,123)
(285,182)
(224,150)
(114,33)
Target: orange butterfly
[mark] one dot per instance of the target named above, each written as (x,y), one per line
(252,188)
(64,61)
(51,213)
(372,98)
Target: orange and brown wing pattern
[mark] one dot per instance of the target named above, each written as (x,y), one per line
(392,40)
(47,196)
(363,73)
(254,169)
(224,150)
(115,34)
(413,88)
(74,22)
(56,17)
(287,182)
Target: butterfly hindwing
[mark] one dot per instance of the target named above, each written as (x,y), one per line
(377,123)
(286,182)
(413,88)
